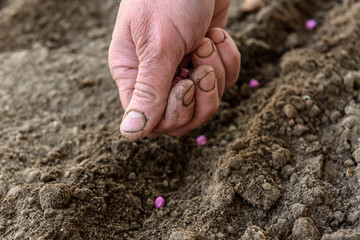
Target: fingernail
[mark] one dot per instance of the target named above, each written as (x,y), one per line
(218,36)
(133,121)
(205,50)
(188,97)
(207,83)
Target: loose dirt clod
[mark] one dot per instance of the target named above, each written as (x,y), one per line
(54,196)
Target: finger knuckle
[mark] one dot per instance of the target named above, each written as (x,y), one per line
(119,73)
(145,93)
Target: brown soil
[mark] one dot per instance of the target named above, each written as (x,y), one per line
(281,161)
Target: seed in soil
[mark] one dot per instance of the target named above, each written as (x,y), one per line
(159,202)
(201,140)
(254,83)
(310,24)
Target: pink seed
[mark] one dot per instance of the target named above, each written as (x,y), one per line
(184,73)
(159,202)
(310,24)
(176,80)
(201,140)
(254,83)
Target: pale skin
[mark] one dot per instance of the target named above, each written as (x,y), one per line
(151,39)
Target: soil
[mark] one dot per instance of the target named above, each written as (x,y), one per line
(282,161)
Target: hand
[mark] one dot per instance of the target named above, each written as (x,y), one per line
(150,40)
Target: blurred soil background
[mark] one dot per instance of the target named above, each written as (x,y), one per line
(281,162)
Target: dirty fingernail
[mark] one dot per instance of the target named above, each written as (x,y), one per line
(205,50)
(218,36)
(133,121)
(188,97)
(207,83)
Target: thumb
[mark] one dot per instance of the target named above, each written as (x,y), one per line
(150,92)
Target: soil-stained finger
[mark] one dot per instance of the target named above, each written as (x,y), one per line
(229,53)
(206,99)
(207,54)
(180,107)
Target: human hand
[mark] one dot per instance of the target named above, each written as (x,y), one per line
(150,40)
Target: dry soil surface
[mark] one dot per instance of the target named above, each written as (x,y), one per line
(282,161)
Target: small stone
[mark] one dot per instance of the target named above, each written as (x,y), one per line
(343,234)
(335,115)
(356,155)
(298,210)
(287,170)
(290,111)
(14,191)
(67,174)
(292,40)
(310,24)
(31,200)
(314,111)
(299,130)
(304,228)
(174,184)
(339,216)
(181,235)
(350,110)
(201,140)
(48,213)
(26,128)
(309,103)
(59,218)
(165,183)
(349,81)
(349,163)
(230,229)
(353,216)
(280,158)
(132,176)
(299,120)
(24,213)
(20,235)
(254,232)
(87,82)
(266,186)
(159,202)
(349,173)
(354,75)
